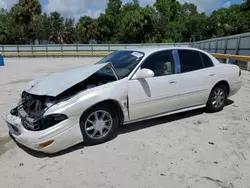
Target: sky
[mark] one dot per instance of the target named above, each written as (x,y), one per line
(77,8)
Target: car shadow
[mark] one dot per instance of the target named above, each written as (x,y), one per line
(123,130)
(165,119)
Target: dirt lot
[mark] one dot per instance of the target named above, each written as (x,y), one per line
(188,150)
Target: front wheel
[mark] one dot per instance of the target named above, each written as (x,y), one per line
(217,98)
(99,124)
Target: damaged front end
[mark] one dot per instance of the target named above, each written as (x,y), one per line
(44,93)
(31,109)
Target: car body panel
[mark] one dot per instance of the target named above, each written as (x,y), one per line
(64,134)
(54,84)
(78,104)
(152,96)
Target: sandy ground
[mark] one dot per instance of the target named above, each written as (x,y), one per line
(188,150)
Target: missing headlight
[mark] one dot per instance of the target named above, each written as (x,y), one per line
(50,120)
(43,122)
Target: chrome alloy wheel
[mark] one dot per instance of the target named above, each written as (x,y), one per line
(98,124)
(218,97)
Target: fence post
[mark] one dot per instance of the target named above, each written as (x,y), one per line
(92,50)
(3,50)
(209,46)
(77,50)
(47,50)
(61,50)
(216,46)
(32,50)
(18,51)
(109,47)
(225,46)
(237,46)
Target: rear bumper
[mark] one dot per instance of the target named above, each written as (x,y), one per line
(64,134)
(234,88)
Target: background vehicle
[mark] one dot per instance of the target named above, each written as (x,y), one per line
(89,103)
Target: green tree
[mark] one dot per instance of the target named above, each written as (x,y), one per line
(24,12)
(3,28)
(229,21)
(106,29)
(135,23)
(87,29)
(189,8)
(169,8)
(165,21)
(113,7)
(43,26)
(195,26)
(69,33)
(56,22)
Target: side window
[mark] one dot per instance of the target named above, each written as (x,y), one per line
(190,60)
(161,63)
(206,60)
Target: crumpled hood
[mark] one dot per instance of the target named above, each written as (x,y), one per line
(54,84)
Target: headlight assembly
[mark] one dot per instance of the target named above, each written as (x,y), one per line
(50,120)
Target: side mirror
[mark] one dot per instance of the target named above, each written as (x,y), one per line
(144,73)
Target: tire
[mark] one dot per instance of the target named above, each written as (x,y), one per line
(99,124)
(217,98)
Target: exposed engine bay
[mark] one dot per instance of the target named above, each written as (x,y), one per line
(31,108)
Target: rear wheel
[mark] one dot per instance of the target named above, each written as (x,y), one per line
(99,124)
(217,98)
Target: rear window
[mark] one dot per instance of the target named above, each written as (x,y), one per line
(206,60)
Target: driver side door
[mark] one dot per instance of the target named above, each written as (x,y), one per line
(158,94)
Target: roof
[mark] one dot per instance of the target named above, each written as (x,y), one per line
(150,50)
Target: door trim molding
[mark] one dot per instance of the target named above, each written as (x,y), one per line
(166,113)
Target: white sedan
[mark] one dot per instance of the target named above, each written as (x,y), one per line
(89,103)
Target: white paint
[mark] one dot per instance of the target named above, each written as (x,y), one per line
(148,97)
(54,84)
(143,73)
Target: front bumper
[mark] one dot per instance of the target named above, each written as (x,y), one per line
(64,134)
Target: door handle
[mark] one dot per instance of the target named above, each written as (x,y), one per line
(211,74)
(172,81)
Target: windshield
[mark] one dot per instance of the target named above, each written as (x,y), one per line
(124,62)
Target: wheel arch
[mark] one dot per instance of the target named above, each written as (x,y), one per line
(116,104)
(222,82)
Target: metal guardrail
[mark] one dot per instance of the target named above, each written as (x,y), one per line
(235,44)
(55,54)
(74,49)
(229,57)
(217,47)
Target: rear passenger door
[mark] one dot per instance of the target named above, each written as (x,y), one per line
(197,77)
